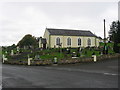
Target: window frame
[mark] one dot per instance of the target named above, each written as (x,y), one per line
(79,41)
(69,41)
(57,41)
(89,42)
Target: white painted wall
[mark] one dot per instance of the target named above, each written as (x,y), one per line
(74,41)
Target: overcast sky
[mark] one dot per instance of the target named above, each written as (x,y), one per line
(20,18)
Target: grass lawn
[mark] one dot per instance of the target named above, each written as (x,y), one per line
(108,44)
(48,54)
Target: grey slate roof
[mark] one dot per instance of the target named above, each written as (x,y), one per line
(68,32)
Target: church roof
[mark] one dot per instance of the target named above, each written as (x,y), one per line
(69,32)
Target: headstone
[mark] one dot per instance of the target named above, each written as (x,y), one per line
(68,51)
(6,52)
(90,48)
(74,54)
(29,59)
(54,46)
(94,57)
(18,49)
(85,52)
(105,49)
(37,57)
(28,56)
(93,53)
(80,49)
(55,60)
(41,49)
(24,47)
(78,54)
(12,53)
(4,58)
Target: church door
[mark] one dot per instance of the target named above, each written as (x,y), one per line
(44,46)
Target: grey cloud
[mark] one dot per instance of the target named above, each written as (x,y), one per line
(18,19)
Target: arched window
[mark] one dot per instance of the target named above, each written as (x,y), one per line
(79,41)
(57,41)
(69,41)
(89,41)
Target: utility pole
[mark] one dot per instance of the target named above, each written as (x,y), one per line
(105,46)
(104,33)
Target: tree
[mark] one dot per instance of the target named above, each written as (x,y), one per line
(28,41)
(114,35)
(113,30)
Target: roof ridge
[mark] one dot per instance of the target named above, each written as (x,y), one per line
(70,32)
(67,29)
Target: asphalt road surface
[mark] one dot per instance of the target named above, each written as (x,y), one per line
(102,74)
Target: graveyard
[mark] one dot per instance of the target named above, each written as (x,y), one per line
(40,56)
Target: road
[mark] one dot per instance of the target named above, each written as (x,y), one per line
(102,74)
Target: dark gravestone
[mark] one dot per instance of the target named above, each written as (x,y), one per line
(63,50)
(99,53)
(67,50)
(37,57)
(54,46)
(105,49)
(85,52)
(73,54)
(78,54)
(78,49)
(90,48)
(93,53)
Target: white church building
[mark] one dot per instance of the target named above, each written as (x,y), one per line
(68,38)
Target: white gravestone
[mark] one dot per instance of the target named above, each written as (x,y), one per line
(6,52)
(12,53)
(29,59)
(55,60)
(18,49)
(4,58)
(94,57)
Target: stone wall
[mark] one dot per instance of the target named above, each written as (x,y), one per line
(64,61)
